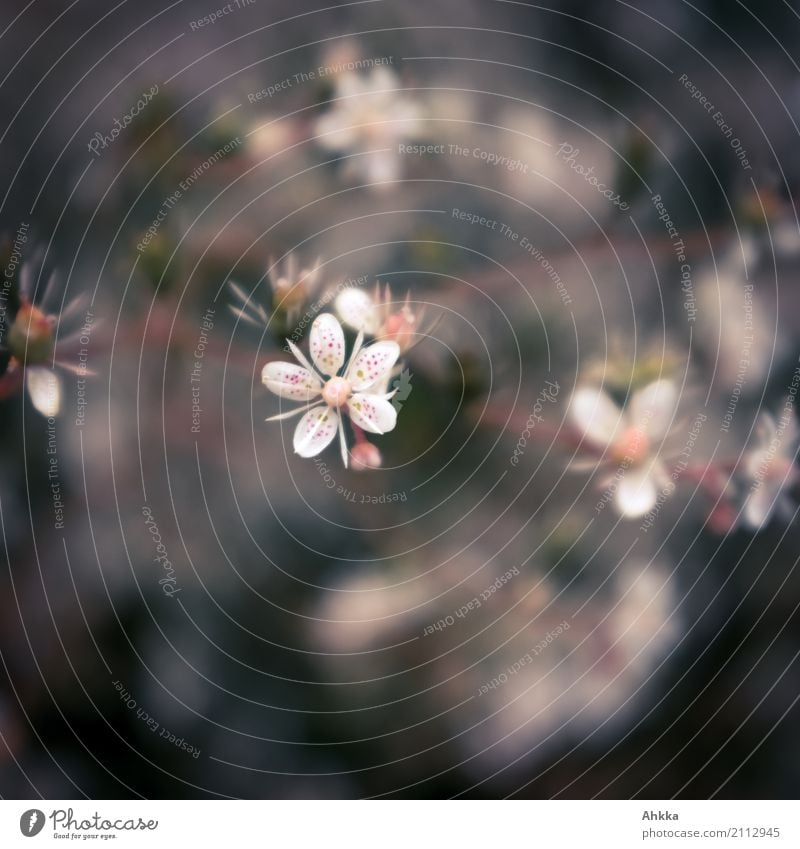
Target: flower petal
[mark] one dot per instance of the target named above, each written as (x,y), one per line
(357,310)
(334,130)
(760,503)
(652,408)
(636,494)
(595,415)
(315,431)
(327,343)
(372,413)
(372,363)
(44,389)
(381,166)
(288,380)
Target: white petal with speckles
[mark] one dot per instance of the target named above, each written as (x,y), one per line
(327,343)
(315,431)
(372,413)
(372,363)
(288,380)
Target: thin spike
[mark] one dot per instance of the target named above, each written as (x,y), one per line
(280,416)
(342,441)
(300,357)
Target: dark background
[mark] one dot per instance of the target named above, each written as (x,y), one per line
(294,657)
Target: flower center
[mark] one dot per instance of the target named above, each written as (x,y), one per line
(336,392)
(632,446)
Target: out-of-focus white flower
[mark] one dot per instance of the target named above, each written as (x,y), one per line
(347,392)
(631,439)
(267,138)
(380,316)
(370,113)
(33,347)
(770,470)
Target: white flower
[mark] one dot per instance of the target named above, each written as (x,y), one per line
(770,470)
(380,316)
(34,348)
(370,113)
(630,439)
(347,392)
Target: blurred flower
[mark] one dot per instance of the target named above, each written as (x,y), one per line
(379,316)
(365,455)
(266,138)
(770,469)
(291,290)
(33,345)
(345,393)
(370,115)
(629,439)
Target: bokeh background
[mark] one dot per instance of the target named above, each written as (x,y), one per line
(308,644)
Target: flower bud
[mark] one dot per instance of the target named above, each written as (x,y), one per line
(399,327)
(288,295)
(365,455)
(30,338)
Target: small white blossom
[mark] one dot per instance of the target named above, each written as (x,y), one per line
(630,440)
(770,470)
(380,316)
(341,389)
(34,347)
(370,113)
